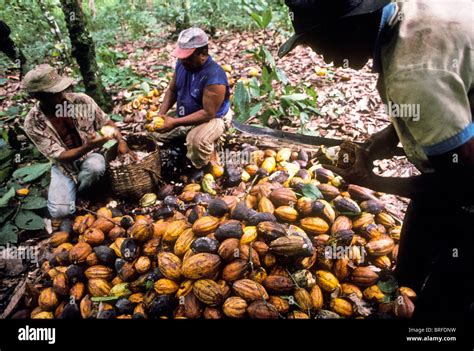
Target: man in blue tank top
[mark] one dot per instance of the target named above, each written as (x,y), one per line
(200,89)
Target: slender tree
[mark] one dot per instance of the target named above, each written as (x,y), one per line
(83,50)
(53,24)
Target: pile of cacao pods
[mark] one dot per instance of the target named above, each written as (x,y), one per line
(279,237)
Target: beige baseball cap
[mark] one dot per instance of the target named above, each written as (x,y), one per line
(44,78)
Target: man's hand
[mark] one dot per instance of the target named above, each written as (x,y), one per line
(382,145)
(123,149)
(169,124)
(94,142)
(360,173)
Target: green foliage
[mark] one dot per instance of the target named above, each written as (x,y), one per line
(271,95)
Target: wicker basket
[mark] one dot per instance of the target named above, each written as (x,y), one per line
(134,180)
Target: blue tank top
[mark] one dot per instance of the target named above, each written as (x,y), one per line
(190,87)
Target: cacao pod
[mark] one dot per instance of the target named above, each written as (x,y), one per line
(94,236)
(98,271)
(234,307)
(249,290)
(174,230)
(205,225)
(169,265)
(208,292)
(346,206)
(229,249)
(201,265)
(98,287)
(235,270)
(262,310)
(165,286)
(286,213)
(141,231)
(283,197)
(403,307)
(291,246)
(279,285)
(60,284)
(314,225)
(79,253)
(281,305)
(342,307)
(380,247)
(58,238)
(364,276)
(326,280)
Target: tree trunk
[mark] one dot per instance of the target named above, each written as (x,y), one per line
(92,8)
(185,22)
(83,50)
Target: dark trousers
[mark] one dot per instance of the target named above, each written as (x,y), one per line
(435,259)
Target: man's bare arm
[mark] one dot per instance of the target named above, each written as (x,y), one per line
(213,97)
(78,152)
(212,100)
(454,169)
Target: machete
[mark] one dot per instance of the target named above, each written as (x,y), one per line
(299,138)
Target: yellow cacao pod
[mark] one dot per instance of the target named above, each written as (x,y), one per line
(98,287)
(235,307)
(99,271)
(381,246)
(141,231)
(205,225)
(201,265)
(314,225)
(249,236)
(373,293)
(269,164)
(385,219)
(169,265)
(342,307)
(286,213)
(347,289)
(249,290)
(208,292)
(317,299)
(303,299)
(48,300)
(326,280)
(184,241)
(58,238)
(174,230)
(265,205)
(165,286)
